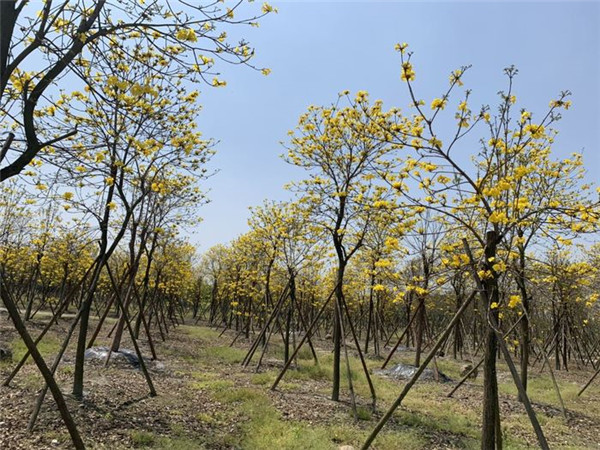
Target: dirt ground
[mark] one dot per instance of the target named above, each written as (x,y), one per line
(207,400)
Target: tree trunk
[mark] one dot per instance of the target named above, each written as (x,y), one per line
(370,317)
(488,287)
(83,328)
(490,429)
(525,332)
(420,325)
(337,333)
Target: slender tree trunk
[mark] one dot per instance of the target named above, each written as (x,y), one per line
(32,288)
(525,329)
(556,330)
(420,325)
(337,333)
(378,325)
(491,411)
(488,287)
(370,317)
(457,344)
(86,302)
(83,328)
(197,299)
(490,431)
(126,300)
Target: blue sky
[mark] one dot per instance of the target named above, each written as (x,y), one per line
(317,49)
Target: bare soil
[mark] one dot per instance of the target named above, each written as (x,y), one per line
(194,408)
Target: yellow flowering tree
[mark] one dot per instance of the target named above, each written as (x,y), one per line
(378,261)
(342,148)
(69,35)
(491,200)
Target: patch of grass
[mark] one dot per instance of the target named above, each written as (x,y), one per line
(277,434)
(288,386)
(228,355)
(6,365)
(48,346)
(202,333)
(446,420)
(67,370)
(248,419)
(450,368)
(261,427)
(263,379)
(405,439)
(310,372)
(203,375)
(363,413)
(251,398)
(214,419)
(168,443)
(177,429)
(214,386)
(541,390)
(141,438)
(332,437)
(205,418)
(512,440)
(62,437)
(424,409)
(305,353)
(265,429)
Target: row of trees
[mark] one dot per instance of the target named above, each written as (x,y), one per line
(419,277)
(414,231)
